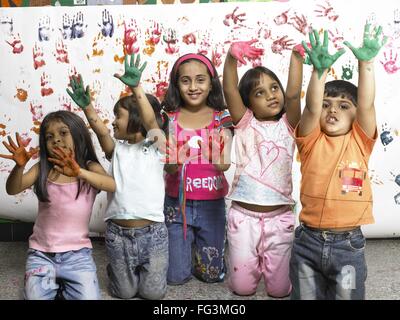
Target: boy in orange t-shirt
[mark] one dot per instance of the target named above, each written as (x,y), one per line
(335,138)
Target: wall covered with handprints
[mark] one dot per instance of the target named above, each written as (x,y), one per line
(42,47)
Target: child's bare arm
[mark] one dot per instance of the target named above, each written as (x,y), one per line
(366,82)
(83,100)
(293,89)
(66,164)
(231,92)
(17,181)
(322,61)
(131,78)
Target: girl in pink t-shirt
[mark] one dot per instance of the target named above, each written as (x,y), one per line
(197,158)
(260,220)
(66,181)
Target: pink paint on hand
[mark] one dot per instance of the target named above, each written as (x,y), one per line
(244,49)
(300,49)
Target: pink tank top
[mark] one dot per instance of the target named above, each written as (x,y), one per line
(203,180)
(63,223)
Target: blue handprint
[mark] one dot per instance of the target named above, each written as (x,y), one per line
(66,29)
(78,29)
(107,26)
(44,29)
(7,24)
(386,135)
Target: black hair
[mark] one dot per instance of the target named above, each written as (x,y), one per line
(83,148)
(173,101)
(135,124)
(251,79)
(341,88)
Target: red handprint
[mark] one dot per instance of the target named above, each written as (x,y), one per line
(189,38)
(16,44)
(45,89)
(36,110)
(37,57)
(234,17)
(130,38)
(326,11)
(171,41)
(300,24)
(282,18)
(216,57)
(337,39)
(61,53)
(282,44)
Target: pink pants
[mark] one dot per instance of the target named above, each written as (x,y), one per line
(259,245)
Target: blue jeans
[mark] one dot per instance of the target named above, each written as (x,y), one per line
(204,244)
(138,260)
(328,265)
(73,273)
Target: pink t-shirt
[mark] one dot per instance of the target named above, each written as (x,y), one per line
(63,223)
(203,180)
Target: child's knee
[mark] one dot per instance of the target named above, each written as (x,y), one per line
(281,292)
(153,294)
(209,277)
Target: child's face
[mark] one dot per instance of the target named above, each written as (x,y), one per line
(194,84)
(58,135)
(266,99)
(338,114)
(120,124)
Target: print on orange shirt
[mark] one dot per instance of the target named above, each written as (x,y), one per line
(352,177)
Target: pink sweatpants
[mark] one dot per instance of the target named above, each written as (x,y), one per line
(259,245)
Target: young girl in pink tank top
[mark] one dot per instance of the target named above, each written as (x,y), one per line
(66,181)
(195,183)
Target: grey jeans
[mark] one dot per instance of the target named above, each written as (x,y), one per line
(138,260)
(328,265)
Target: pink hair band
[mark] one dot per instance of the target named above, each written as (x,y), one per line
(196,57)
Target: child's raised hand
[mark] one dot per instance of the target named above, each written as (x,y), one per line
(18,152)
(244,49)
(133,72)
(371,44)
(65,163)
(80,96)
(302,52)
(319,55)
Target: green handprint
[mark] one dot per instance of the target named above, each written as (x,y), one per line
(371,44)
(80,96)
(318,54)
(133,73)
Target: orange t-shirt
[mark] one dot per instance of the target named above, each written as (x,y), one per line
(335,188)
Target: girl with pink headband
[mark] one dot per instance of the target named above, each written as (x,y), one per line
(198,154)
